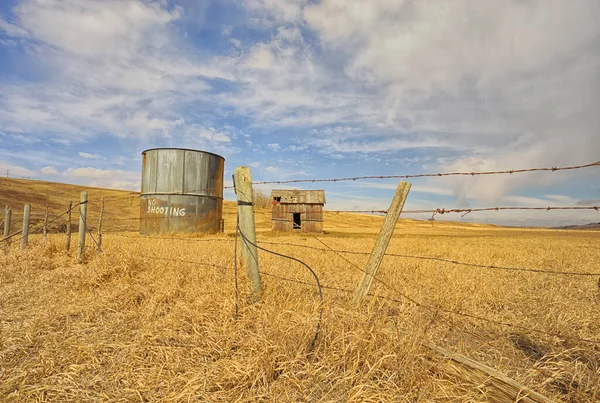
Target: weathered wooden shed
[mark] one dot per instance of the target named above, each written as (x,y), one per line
(298,210)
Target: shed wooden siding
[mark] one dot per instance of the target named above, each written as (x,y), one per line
(311,214)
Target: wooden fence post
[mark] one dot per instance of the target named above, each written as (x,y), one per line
(382,242)
(242,182)
(25,232)
(46,225)
(68,229)
(82,225)
(7,222)
(100,224)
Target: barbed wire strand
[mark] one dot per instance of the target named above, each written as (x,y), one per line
(215,266)
(318,283)
(418,257)
(423,175)
(235,269)
(88,230)
(39,226)
(468,315)
(421,211)
(469,210)
(451,261)
(152,237)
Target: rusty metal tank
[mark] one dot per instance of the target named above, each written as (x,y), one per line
(182,191)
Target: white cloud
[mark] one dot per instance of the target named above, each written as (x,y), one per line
(120,160)
(274,146)
(11,29)
(12,170)
(49,170)
(91,156)
(295,148)
(271,169)
(115,28)
(105,178)
(110,66)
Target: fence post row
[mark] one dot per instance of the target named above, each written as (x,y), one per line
(242,180)
(7,222)
(25,232)
(82,225)
(382,242)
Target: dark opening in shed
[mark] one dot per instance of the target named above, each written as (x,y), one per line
(297,221)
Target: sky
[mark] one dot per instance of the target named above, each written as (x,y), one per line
(313,89)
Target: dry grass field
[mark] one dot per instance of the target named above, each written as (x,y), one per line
(149,320)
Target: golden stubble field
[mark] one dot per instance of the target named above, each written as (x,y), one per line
(127,326)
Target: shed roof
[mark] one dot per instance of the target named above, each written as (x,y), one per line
(297,196)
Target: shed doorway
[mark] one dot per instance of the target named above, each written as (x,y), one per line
(297,221)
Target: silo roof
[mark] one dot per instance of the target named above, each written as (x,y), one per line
(183,149)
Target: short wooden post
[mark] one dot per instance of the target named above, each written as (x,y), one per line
(82,225)
(46,225)
(100,224)
(68,229)
(382,242)
(25,231)
(7,221)
(242,180)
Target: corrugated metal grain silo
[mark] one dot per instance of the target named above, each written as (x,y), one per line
(182,191)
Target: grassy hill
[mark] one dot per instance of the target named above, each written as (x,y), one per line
(18,192)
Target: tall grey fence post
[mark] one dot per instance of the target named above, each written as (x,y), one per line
(68,228)
(242,182)
(100,224)
(82,225)
(7,222)
(382,242)
(25,231)
(46,225)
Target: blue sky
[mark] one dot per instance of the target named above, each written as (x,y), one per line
(309,89)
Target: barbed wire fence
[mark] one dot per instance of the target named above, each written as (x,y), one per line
(397,296)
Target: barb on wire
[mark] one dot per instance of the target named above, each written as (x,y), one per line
(469,210)
(318,328)
(438,259)
(423,175)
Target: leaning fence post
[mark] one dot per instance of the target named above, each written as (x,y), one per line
(7,222)
(25,232)
(382,242)
(82,225)
(46,225)
(242,182)
(68,229)
(100,224)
